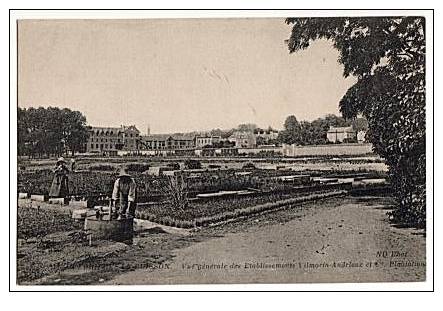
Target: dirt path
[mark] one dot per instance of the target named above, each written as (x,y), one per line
(334,242)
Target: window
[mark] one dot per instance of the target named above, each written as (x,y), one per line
(96,146)
(92,146)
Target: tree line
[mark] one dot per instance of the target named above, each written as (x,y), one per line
(295,132)
(50,131)
(314,133)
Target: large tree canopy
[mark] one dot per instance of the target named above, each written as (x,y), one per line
(50,131)
(387,56)
(292,130)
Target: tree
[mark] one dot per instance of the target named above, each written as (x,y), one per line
(336,121)
(247,127)
(360,124)
(260,141)
(223,144)
(22,132)
(291,132)
(50,131)
(314,133)
(75,132)
(387,56)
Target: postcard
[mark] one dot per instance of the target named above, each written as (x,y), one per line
(222,150)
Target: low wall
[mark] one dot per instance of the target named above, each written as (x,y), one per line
(285,150)
(258,150)
(326,150)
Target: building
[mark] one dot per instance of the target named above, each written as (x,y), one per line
(131,136)
(108,140)
(243,139)
(267,135)
(341,134)
(166,142)
(206,140)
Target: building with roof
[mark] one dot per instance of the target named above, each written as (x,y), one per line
(108,140)
(206,140)
(166,142)
(268,134)
(243,139)
(341,134)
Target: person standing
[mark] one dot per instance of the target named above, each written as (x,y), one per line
(125,191)
(59,186)
(73,165)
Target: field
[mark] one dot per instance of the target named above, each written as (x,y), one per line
(225,189)
(257,184)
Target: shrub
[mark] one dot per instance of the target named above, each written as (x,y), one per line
(173,165)
(151,217)
(192,164)
(137,167)
(188,224)
(102,167)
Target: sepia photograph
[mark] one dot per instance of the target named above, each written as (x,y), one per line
(221,150)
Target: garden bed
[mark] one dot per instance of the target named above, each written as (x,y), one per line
(203,213)
(93,184)
(36,223)
(50,241)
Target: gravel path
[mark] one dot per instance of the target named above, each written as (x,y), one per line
(341,240)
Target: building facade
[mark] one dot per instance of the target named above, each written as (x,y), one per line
(341,134)
(206,140)
(269,134)
(166,142)
(108,140)
(243,139)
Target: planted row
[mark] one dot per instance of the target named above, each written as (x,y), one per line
(234,214)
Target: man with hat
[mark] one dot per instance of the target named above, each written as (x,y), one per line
(125,191)
(59,186)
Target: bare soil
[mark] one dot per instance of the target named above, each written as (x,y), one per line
(335,240)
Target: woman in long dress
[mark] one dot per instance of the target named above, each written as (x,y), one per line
(59,187)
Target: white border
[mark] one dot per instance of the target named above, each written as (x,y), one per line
(15,15)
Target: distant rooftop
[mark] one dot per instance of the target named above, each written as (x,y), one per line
(167,136)
(345,129)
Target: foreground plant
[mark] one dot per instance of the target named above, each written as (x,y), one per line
(175,189)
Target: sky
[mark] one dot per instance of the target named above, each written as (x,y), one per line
(176,75)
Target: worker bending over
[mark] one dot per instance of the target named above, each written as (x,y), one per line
(125,190)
